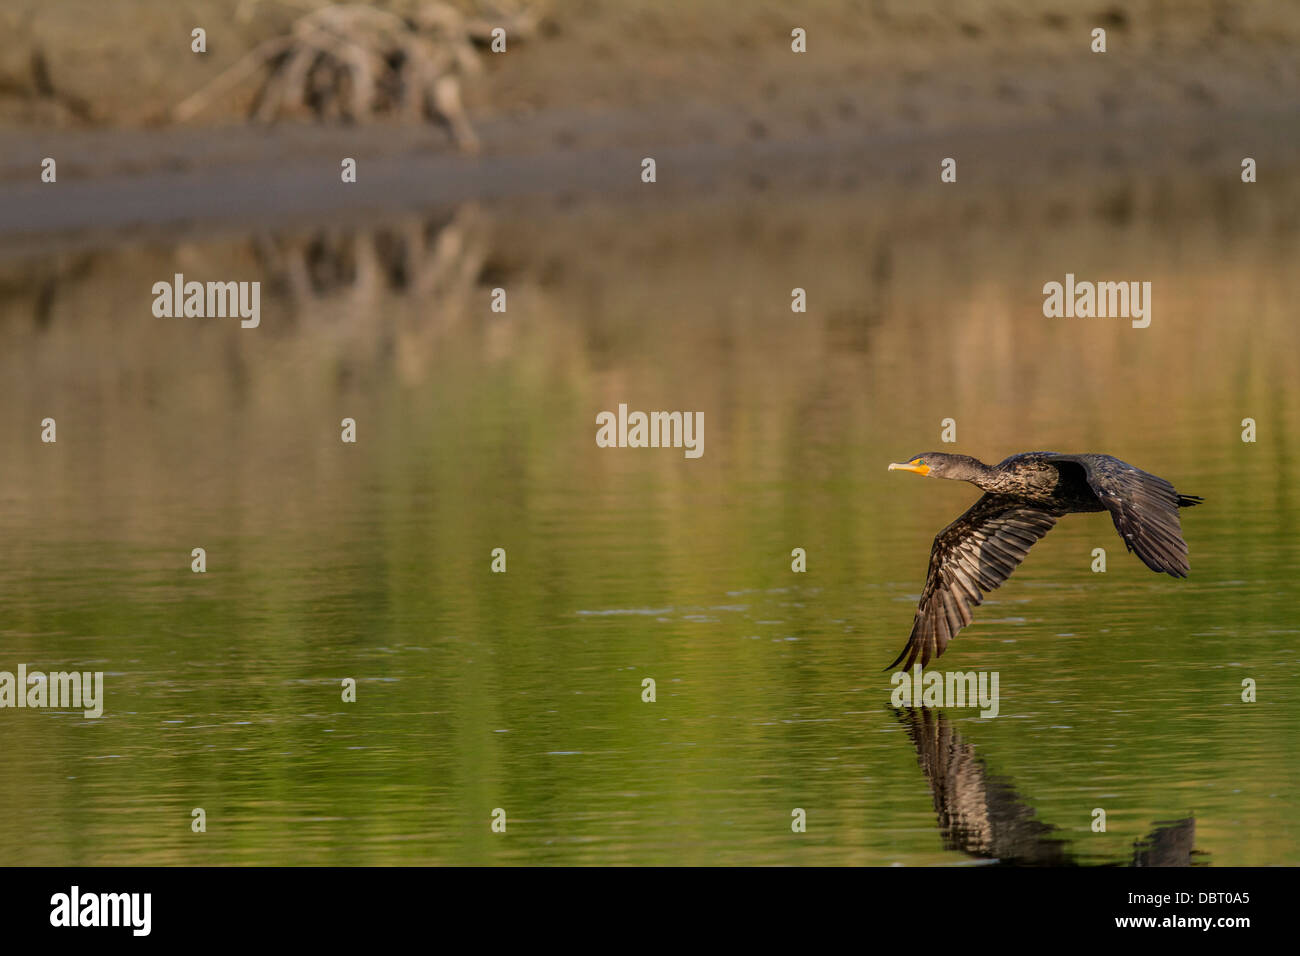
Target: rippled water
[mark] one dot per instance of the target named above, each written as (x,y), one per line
(522,691)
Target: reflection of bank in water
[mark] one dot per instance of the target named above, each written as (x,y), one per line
(695,287)
(389,291)
(983,816)
(364,297)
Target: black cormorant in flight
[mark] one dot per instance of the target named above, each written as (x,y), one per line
(1023,497)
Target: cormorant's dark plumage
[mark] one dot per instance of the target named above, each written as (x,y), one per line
(1023,498)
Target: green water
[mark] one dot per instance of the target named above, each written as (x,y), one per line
(523,691)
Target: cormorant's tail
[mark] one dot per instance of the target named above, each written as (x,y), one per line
(1187,501)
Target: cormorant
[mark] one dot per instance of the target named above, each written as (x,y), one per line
(1023,497)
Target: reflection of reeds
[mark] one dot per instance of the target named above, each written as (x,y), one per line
(890,284)
(390,290)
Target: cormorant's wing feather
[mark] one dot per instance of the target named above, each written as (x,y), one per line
(1144,508)
(970,557)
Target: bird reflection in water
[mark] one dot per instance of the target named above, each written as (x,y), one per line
(983,816)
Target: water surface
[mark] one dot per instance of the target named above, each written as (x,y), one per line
(522,690)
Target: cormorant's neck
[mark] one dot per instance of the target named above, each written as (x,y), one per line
(982,476)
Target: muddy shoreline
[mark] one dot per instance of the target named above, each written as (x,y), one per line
(215,180)
(721,102)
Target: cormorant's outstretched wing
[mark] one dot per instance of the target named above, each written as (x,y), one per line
(970,557)
(1144,508)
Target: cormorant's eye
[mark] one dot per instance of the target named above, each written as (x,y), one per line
(920,461)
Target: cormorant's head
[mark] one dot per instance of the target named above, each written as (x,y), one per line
(937,464)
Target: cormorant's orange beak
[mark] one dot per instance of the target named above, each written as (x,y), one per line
(910,466)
